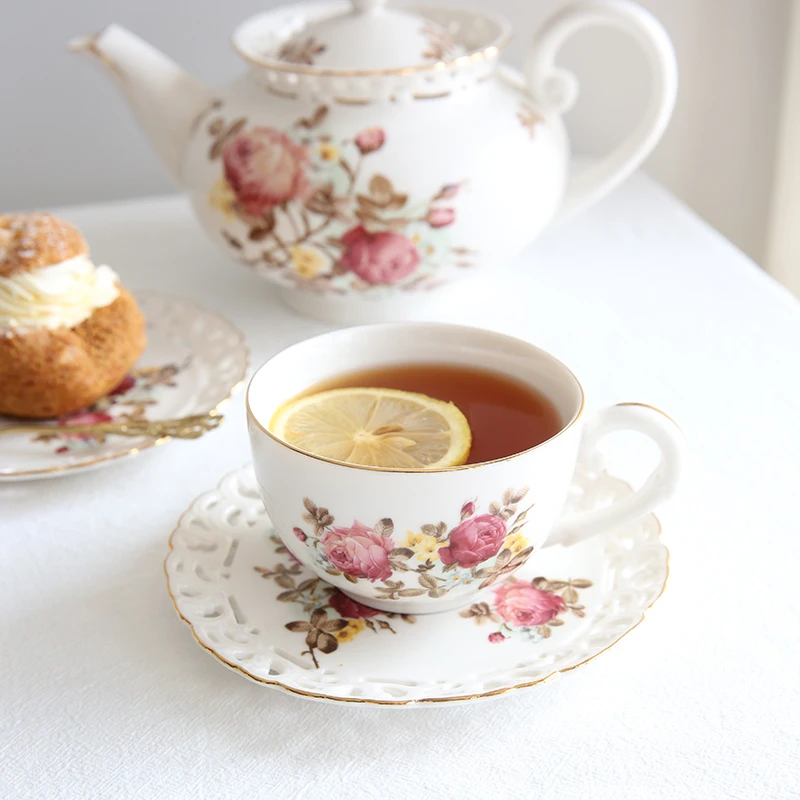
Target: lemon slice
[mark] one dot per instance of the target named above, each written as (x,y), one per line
(376,428)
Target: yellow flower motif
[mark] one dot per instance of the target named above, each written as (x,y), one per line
(307,261)
(354,627)
(516,543)
(328,152)
(416,238)
(222,197)
(425,546)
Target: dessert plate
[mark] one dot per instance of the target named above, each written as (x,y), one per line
(193,362)
(257,610)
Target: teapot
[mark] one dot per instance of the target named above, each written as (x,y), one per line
(374,156)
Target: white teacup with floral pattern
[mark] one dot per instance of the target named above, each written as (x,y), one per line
(418,541)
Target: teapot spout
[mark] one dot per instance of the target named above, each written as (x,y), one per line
(164,98)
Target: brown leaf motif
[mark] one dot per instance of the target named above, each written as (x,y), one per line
(326,628)
(481,613)
(428,581)
(410,592)
(430,530)
(263,228)
(529,118)
(327,643)
(380,187)
(438,43)
(302,222)
(231,240)
(315,120)
(225,136)
(301,51)
(569,595)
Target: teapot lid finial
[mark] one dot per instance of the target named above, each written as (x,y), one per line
(346,48)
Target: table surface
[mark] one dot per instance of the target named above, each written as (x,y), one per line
(104,694)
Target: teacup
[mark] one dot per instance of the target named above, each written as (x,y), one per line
(375,533)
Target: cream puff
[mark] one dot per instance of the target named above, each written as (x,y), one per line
(69,332)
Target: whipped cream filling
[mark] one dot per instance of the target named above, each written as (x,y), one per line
(59,296)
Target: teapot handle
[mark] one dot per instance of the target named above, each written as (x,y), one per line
(555,90)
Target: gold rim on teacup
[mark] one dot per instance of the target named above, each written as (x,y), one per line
(466,328)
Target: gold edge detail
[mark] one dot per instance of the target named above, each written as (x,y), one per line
(363,101)
(424,700)
(570,424)
(653,408)
(88,44)
(8,477)
(490,51)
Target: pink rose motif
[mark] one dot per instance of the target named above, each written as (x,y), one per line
(385,257)
(299,534)
(128,382)
(370,139)
(522,606)
(474,540)
(468,509)
(265,168)
(496,637)
(82,418)
(440,217)
(359,551)
(350,609)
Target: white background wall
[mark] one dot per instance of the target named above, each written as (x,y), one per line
(66,137)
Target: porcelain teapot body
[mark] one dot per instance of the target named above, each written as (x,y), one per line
(369,192)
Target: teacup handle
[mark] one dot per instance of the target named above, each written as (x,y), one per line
(660,486)
(555,91)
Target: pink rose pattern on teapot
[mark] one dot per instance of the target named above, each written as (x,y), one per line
(430,561)
(265,169)
(303,204)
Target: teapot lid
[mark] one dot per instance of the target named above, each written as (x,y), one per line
(369,36)
(360,37)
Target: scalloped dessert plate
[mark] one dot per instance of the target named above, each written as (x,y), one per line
(193,362)
(254,607)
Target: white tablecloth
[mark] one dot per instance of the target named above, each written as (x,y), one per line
(104,694)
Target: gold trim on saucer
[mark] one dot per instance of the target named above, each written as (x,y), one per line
(425,700)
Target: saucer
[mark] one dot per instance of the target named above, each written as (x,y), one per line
(193,362)
(249,603)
